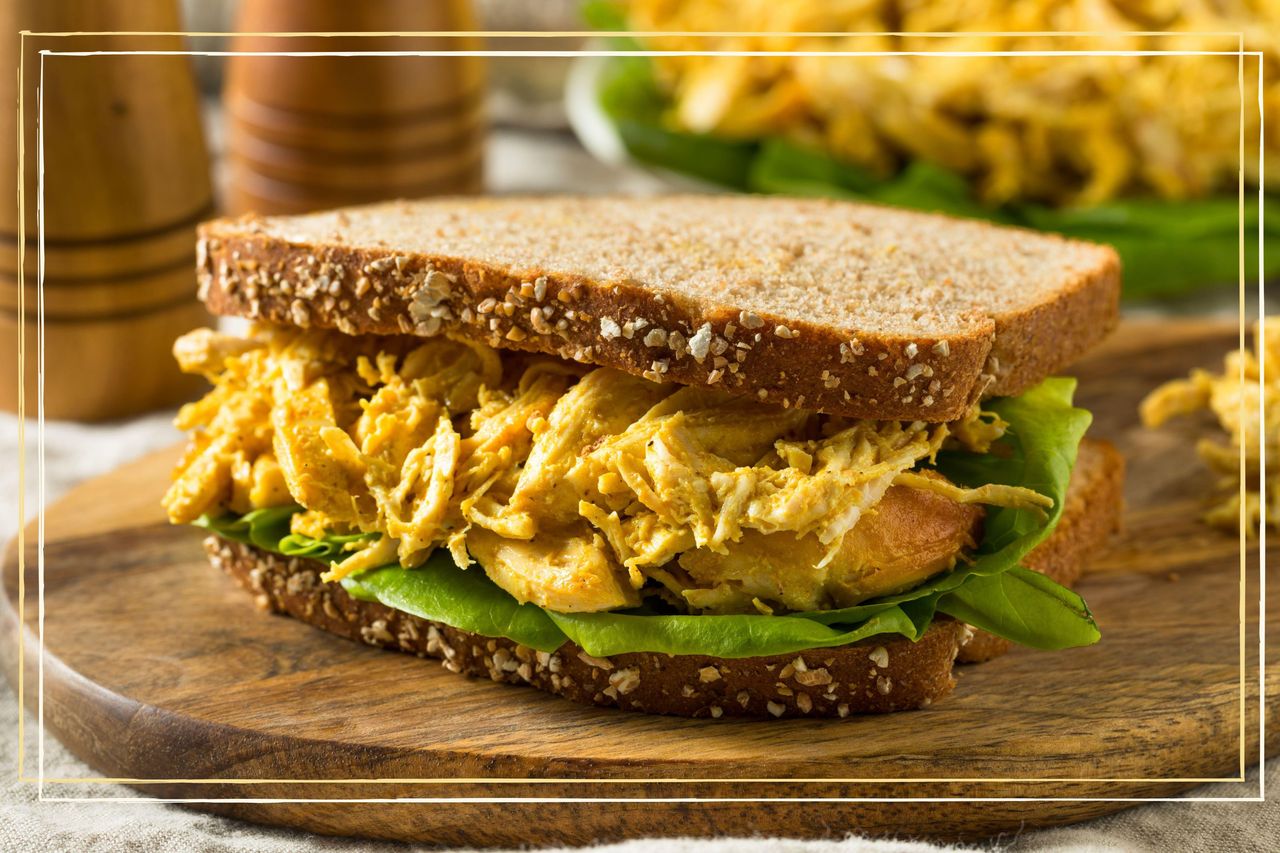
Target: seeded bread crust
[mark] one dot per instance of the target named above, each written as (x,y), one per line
(874,676)
(832,306)
(1089,517)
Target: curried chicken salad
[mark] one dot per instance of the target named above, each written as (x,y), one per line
(538,499)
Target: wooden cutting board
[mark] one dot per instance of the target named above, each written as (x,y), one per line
(159,668)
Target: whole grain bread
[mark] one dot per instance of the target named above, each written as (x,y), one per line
(1090,515)
(856,309)
(878,675)
(882,674)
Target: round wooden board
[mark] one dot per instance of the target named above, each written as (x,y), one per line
(158,668)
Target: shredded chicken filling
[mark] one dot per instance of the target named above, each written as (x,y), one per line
(1249,412)
(576,488)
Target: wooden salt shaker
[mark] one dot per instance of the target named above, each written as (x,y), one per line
(126,179)
(305,133)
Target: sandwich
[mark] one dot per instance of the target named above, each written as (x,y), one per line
(695,455)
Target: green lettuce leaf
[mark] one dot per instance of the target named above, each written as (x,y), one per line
(990,591)
(263,528)
(328,548)
(464,598)
(1024,606)
(604,15)
(605,634)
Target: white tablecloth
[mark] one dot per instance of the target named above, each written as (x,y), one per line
(76,452)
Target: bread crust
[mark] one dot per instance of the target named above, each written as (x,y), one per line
(1090,516)
(253,267)
(878,675)
(1032,344)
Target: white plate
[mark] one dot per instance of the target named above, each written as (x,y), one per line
(596,131)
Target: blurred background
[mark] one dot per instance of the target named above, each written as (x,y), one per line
(1144,152)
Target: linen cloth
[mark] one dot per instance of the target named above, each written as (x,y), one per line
(75,452)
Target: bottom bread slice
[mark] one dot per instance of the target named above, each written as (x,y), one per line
(881,674)
(878,675)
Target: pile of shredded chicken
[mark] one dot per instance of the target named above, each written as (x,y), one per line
(1071,129)
(576,488)
(1249,411)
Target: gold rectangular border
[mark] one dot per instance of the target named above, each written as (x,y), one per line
(41,779)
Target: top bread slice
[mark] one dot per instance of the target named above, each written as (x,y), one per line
(833,306)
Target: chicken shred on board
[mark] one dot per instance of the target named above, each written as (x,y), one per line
(572,487)
(1248,409)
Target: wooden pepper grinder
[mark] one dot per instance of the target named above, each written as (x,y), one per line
(126,179)
(305,133)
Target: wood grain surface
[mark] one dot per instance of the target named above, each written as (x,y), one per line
(159,668)
(313,132)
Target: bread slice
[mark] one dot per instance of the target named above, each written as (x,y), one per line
(856,309)
(1091,514)
(878,675)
